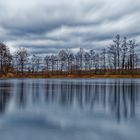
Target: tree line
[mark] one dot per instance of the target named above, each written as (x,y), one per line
(121,56)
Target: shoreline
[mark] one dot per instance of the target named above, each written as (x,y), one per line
(49,76)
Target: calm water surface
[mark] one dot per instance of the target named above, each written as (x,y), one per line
(70,109)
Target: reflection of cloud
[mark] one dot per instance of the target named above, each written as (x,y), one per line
(43,25)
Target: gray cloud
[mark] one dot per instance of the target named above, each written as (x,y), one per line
(49,26)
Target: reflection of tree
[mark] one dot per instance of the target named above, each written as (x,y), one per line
(35,92)
(21,94)
(123,99)
(5,90)
(118,97)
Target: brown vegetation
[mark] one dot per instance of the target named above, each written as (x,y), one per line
(66,75)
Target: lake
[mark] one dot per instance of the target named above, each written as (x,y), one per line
(70,109)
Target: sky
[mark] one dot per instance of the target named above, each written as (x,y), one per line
(48,26)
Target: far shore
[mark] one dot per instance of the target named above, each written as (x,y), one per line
(39,75)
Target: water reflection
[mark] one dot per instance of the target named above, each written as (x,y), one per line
(118,97)
(5,93)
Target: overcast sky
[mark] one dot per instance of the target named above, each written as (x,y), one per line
(47,26)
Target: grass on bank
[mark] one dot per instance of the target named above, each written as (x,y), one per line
(67,75)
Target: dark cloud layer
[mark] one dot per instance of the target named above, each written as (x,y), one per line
(49,26)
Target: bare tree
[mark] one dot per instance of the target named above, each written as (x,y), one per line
(35,62)
(103,59)
(80,56)
(5,58)
(97,65)
(53,60)
(92,59)
(87,60)
(71,61)
(47,61)
(112,56)
(21,57)
(117,43)
(124,50)
(132,45)
(62,58)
